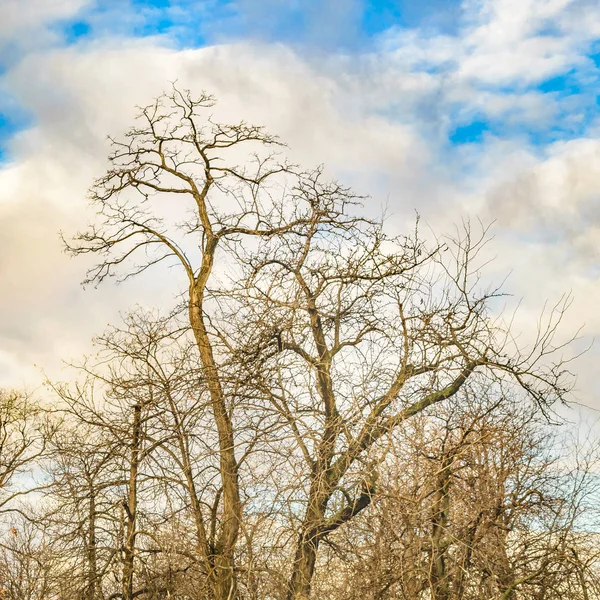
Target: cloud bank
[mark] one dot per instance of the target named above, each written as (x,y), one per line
(487,113)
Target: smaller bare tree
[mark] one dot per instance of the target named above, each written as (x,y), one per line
(24,433)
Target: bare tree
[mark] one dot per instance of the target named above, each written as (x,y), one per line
(352,334)
(23,437)
(328,335)
(476,503)
(78,511)
(174,154)
(115,412)
(27,564)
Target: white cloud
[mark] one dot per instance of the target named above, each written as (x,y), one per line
(27,24)
(556,199)
(502,50)
(17,16)
(375,120)
(522,41)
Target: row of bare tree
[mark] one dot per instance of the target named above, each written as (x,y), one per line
(330,412)
(471,502)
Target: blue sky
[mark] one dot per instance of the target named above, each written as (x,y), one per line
(322,28)
(343,24)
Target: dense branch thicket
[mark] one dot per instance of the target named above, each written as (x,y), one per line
(334,411)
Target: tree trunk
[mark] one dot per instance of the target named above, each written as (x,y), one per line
(224,584)
(313,526)
(130,505)
(92,583)
(440,586)
(304,566)
(202,545)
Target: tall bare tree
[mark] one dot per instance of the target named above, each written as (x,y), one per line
(173,153)
(370,331)
(328,333)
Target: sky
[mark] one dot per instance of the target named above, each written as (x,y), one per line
(482,109)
